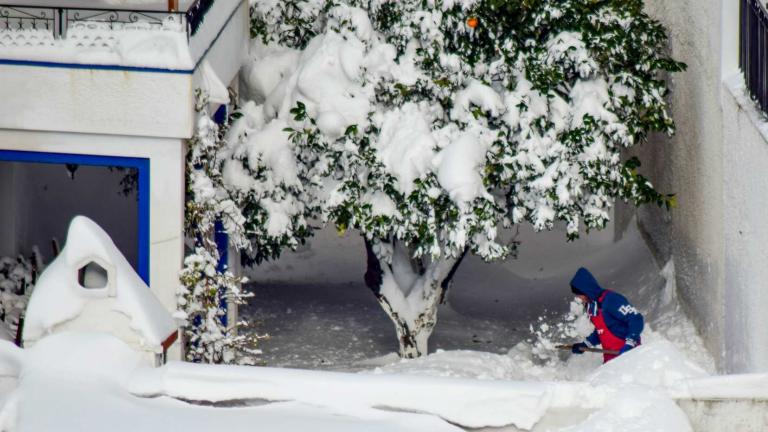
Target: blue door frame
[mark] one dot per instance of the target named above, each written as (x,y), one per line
(139,164)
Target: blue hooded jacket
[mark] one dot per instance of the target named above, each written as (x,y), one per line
(621,318)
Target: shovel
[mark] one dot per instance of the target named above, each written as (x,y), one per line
(594,350)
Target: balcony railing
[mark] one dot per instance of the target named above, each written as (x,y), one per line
(57,19)
(753,50)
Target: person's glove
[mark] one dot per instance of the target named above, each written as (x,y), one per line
(579,348)
(628,345)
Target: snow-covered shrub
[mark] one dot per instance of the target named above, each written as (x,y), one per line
(207,290)
(17,281)
(429,126)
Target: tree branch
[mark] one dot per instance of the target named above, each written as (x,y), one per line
(373,272)
(448,281)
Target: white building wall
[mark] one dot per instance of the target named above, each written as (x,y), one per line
(43,199)
(166,193)
(96,101)
(7,217)
(690,165)
(746,236)
(716,165)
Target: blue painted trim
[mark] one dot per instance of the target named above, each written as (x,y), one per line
(220,116)
(140,164)
(222,245)
(94,67)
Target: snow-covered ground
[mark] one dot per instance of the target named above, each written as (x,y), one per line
(493,367)
(319,314)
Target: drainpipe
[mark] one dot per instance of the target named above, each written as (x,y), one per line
(173,5)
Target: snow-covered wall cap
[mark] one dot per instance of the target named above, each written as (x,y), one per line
(59,297)
(212,84)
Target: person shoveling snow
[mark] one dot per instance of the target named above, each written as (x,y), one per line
(618,324)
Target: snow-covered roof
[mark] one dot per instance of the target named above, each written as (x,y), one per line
(59,297)
(149,5)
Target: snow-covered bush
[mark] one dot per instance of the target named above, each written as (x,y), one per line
(17,281)
(207,290)
(429,126)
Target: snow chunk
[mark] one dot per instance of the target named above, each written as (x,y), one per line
(381,204)
(589,97)
(212,85)
(406,145)
(270,146)
(356,17)
(58,297)
(326,78)
(658,364)
(263,76)
(636,410)
(477,94)
(568,48)
(460,164)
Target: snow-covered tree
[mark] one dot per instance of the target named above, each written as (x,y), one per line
(429,126)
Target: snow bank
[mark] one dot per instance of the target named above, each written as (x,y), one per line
(656,365)
(636,410)
(466,402)
(59,298)
(97,369)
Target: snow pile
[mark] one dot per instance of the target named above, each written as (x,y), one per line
(470,403)
(99,368)
(140,44)
(656,365)
(59,298)
(636,410)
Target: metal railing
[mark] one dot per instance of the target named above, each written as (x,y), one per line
(753,50)
(57,20)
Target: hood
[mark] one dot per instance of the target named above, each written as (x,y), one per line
(586,283)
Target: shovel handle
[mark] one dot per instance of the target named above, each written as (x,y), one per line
(594,350)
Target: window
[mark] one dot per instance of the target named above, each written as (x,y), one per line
(753,50)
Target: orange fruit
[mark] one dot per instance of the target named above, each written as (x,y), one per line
(472,22)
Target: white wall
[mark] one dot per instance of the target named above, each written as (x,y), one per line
(7,216)
(43,199)
(96,101)
(166,192)
(691,165)
(716,165)
(746,236)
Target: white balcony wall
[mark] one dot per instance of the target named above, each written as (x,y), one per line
(96,101)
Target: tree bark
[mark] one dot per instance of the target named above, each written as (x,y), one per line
(409,292)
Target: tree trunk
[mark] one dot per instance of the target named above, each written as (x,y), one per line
(409,291)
